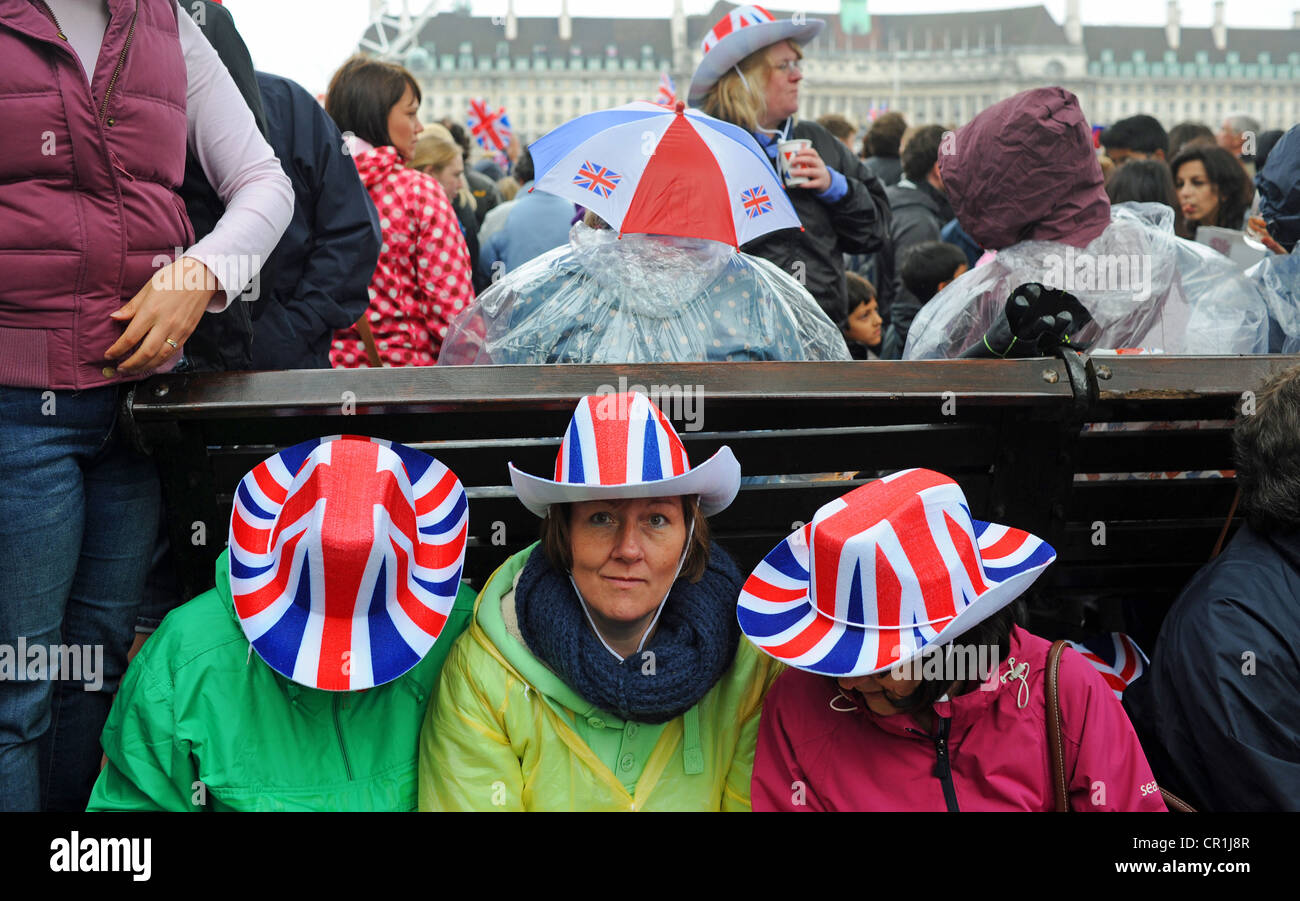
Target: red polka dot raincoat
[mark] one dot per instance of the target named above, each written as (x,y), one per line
(424,273)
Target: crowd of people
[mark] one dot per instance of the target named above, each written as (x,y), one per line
(622,662)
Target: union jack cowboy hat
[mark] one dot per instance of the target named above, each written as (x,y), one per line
(737,35)
(883,572)
(345,559)
(622,445)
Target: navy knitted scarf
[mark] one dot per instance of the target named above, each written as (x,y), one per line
(693,644)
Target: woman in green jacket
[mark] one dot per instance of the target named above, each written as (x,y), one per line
(326,714)
(603,668)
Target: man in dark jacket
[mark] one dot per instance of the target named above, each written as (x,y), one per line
(221,342)
(320,271)
(919,210)
(1219,711)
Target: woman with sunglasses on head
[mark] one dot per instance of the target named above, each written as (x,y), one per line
(911,687)
(750,76)
(603,668)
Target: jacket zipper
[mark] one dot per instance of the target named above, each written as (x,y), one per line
(942,768)
(121,57)
(338,730)
(49,14)
(121,61)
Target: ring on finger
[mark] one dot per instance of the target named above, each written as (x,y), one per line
(175,344)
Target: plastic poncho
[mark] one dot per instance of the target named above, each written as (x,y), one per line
(1278,280)
(642,299)
(1144,286)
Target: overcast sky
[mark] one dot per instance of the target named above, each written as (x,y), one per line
(307,39)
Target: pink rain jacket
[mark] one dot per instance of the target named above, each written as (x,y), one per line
(995,756)
(423,276)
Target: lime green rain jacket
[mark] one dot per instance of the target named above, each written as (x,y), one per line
(505,733)
(202,723)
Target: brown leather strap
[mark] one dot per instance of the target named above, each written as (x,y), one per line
(1055,747)
(368,339)
(1174,803)
(1223,533)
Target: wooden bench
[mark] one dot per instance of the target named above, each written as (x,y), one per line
(1018,435)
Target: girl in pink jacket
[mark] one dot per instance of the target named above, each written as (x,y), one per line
(882,709)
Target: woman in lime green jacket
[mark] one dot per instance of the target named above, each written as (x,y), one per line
(603,668)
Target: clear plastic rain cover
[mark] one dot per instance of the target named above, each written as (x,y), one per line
(1145,288)
(1278,278)
(641,299)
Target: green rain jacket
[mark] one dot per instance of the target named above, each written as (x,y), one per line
(202,723)
(505,733)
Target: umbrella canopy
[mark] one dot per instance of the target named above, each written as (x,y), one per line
(649,170)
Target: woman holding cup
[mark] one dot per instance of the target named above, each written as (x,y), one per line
(750,76)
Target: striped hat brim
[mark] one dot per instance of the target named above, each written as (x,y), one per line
(737,45)
(776,610)
(716,481)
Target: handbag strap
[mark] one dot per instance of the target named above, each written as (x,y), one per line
(1055,747)
(368,339)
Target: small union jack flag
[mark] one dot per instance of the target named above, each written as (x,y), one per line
(1116,656)
(597,179)
(667,91)
(756,201)
(490,129)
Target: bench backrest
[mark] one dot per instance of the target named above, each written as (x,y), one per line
(1018,435)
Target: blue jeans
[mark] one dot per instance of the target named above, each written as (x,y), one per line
(78,519)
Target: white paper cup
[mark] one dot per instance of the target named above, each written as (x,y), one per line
(786,152)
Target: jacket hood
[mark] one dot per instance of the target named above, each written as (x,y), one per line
(1024,169)
(378,163)
(1279,189)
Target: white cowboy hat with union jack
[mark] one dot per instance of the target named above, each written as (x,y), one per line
(345,559)
(737,35)
(622,445)
(883,572)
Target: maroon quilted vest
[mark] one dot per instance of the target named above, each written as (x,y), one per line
(88,179)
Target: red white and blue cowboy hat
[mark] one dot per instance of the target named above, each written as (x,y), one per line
(345,559)
(882,573)
(622,445)
(737,35)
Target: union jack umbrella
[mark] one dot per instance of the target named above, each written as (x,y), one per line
(738,34)
(622,445)
(667,91)
(490,129)
(345,558)
(1116,656)
(645,169)
(883,572)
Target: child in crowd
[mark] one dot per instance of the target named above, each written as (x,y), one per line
(862,329)
(925,270)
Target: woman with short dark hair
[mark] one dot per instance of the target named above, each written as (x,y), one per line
(424,274)
(1211,187)
(1142,181)
(603,668)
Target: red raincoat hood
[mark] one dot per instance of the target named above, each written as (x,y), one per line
(1024,170)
